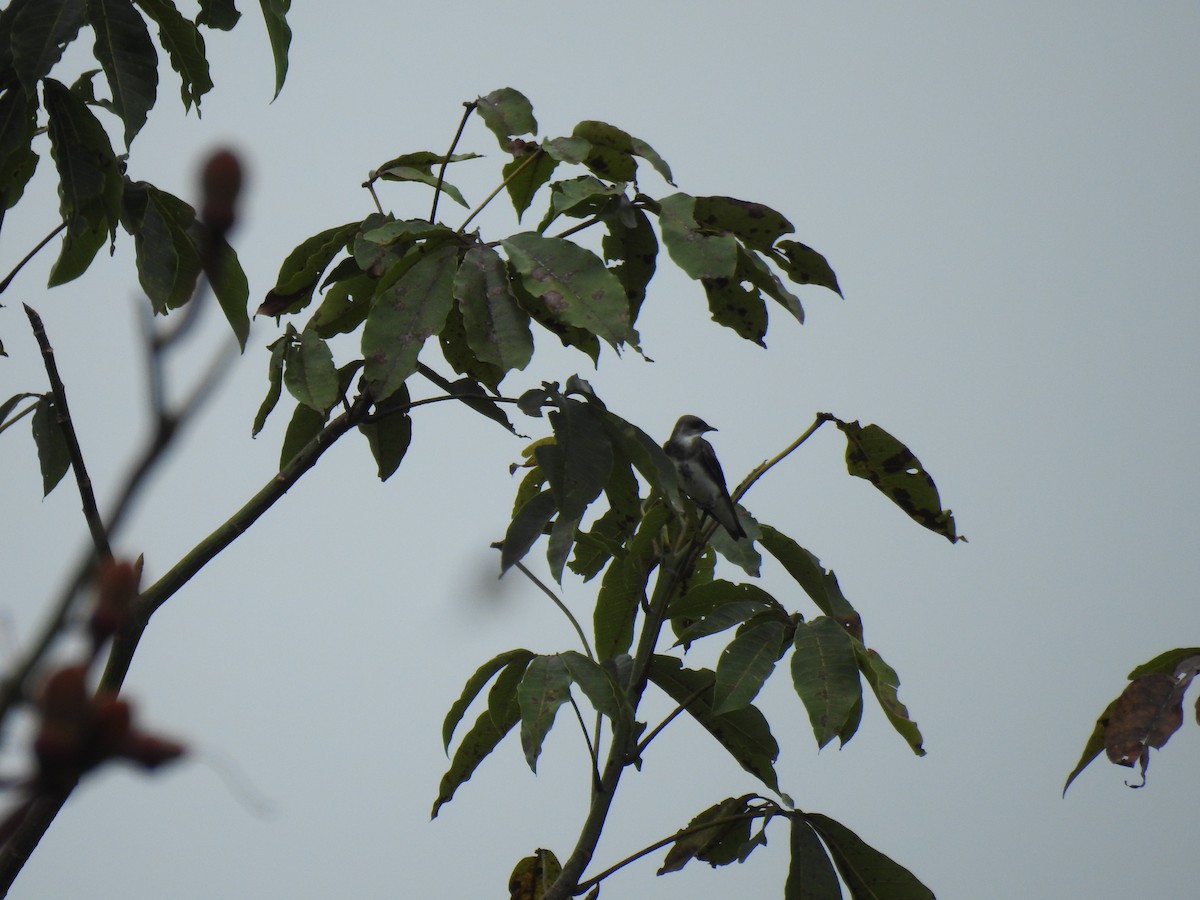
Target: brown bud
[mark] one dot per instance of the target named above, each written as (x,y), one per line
(220,182)
(117,586)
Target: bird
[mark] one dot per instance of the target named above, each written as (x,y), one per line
(700,473)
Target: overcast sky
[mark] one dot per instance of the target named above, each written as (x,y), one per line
(1009,194)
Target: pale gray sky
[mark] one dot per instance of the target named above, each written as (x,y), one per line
(1010,197)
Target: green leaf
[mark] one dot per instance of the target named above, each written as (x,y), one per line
(580,197)
(600,687)
(524,176)
(1094,746)
(502,713)
(280,34)
(573,284)
(646,152)
(737,307)
(804,265)
(422,175)
(886,684)
(497,329)
(475,684)
(747,662)
(528,524)
(570,335)
(609,533)
(305,424)
(309,373)
(637,248)
(11,403)
(623,588)
(572,150)
(583,459)
(825,674)
(90,182)
(866,871)
(168,260)
(755,225)
(611,152)
(752,269)
(718,845)
(345,305)
(506,112)
(40,31)
(875,455)
(302,269)
(744,733)
(390,434)
(646,455)
(712,607)
(53,455)
(130,62)
(185,48)
(274,379)
(700,254)
(810,871)
(532,876)
(218,14)
(229,284)
(404,316)
(1165,663)
(558,547)
(18,124)
(818,582)
(545,687)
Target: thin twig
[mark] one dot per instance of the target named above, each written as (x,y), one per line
(63,414)
(30,255)
(645,742)
(762,468)
(437,188)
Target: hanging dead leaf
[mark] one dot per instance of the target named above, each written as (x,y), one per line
(1147,713)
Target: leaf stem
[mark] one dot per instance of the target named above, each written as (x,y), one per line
(501,186)
(562,606)
(762,468)
(469,107)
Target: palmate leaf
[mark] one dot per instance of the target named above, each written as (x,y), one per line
(725,841)
(309,373)
(496,328)
(875,455)
(811,875)
(700,254)
(90,182)
(406,314)
(168,260)
(533,875)
(886,685)
(1094,746)
(610,154)
(53,455)
(507,113)
(218,14)
(578,463)
(280,34)
(610,532)
(818,582)
(825,675)
(184,44)
(867,872)
(545,687)
(573,285)
(524,176)
(278,350)
(39,31)
(636,246)
(715,606)
(18,124)
(130,62)
(748,661)
(304,425)
(744,733)
(755,225)
(390,434)
(528,524)
(302,270)
(502,713)
(599,685)
(804,265)
(623,588)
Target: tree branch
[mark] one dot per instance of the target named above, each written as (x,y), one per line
(82,479)
(437,188)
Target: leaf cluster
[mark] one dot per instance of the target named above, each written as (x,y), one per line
(96,193)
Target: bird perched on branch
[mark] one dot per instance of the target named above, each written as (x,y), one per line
(700,473)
